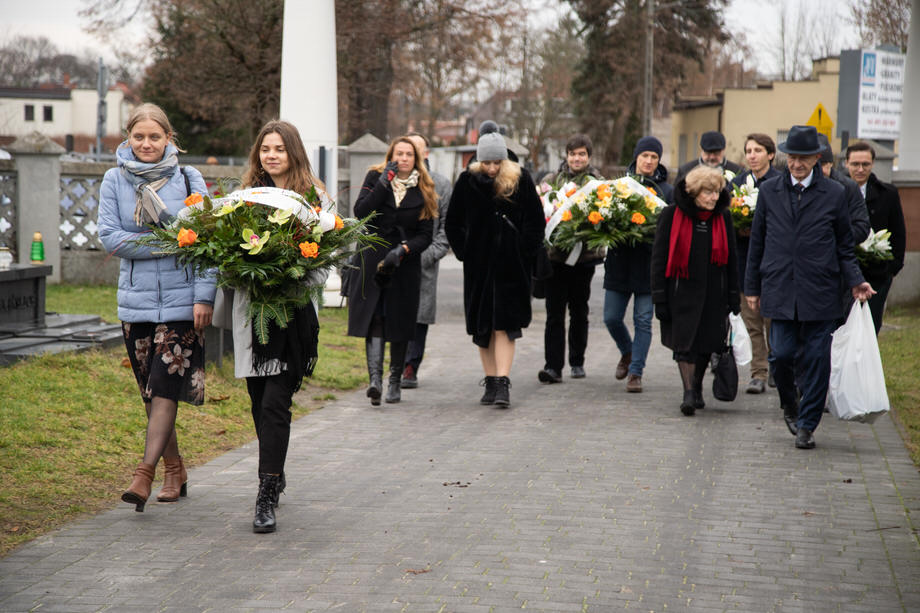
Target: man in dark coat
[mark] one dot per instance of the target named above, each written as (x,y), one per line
(570,284)
(801,252)
(626,274)
(712,153)
(431,258)
(885,213)
(856,205)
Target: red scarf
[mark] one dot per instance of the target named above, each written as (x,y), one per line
(681,236)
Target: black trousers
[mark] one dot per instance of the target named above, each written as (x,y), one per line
(417,347)
(569,287)
(271,414)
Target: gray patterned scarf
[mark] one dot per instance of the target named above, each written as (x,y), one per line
(147,179)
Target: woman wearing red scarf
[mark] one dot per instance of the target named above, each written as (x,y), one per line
(695,276)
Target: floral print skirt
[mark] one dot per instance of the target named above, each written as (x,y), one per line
(167,358)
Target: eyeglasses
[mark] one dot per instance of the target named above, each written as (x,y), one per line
(860,164)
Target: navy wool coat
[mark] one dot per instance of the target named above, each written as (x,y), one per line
(801,254)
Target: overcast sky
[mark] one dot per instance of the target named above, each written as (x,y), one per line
(58,20)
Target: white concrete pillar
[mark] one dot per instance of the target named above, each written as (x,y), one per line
(308,81)
(909,142)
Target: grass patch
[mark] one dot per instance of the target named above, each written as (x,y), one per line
(72,425)
(899,343)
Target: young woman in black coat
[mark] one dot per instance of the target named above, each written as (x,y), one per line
(495,227)
(383,295)
(695,276)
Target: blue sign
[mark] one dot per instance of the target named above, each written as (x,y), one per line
(868,68)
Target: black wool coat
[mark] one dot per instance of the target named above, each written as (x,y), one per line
(699,304)
(885,212)
(497,240)
(401,298)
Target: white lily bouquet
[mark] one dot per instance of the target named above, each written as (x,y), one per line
(744,201)
(875,249)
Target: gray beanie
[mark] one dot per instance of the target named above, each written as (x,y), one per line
(491,147)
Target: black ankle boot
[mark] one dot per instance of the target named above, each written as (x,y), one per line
(373,347)
(282,483)
(687,406)
(393,393)
(264,520)
(488,396)
(502,394)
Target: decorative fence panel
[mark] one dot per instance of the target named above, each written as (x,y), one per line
(8,204)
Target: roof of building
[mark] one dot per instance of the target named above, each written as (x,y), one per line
(58,93)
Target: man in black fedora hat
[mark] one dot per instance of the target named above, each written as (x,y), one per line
(801,254)
(712,153)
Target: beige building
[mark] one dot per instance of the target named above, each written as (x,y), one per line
(771,108)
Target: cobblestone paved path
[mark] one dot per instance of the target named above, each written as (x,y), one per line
(580,497)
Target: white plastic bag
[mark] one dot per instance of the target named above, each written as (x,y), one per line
(857,389)
(741,340)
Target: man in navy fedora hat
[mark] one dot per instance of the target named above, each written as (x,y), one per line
(801,254)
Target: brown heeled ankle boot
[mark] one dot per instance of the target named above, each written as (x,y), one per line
(139,490)
(175,480)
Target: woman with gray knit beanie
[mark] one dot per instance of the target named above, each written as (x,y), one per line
(495,227)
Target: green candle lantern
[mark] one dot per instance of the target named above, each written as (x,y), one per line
(38,249)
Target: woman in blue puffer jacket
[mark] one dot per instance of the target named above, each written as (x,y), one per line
(164,308)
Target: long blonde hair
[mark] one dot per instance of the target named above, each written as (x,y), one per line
(425,182)
(507,179)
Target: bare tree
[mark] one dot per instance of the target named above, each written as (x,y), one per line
(882,21)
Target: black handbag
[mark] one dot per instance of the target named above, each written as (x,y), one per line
(542,270)
(725,378)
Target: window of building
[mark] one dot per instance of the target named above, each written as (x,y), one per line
(48,113)
(30,112)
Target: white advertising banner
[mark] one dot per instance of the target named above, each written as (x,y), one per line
(881,81)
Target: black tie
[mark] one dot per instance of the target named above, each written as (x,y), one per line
(799,188)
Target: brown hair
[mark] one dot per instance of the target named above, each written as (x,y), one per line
(577,142)
(507,179)
(860,146)
(300,173)
(425,182)
(146,111)
(704,177)
(763,140)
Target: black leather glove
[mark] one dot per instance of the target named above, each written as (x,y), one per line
(662,312)
(389,171)
(393,257)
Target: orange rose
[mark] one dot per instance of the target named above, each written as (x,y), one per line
(566,215)
(737,202)
(339,224)
(603,191)
(186,237)
(308,249)
(193,199)
(637,218)
(595,217)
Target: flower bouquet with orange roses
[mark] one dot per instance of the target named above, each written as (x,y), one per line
(601,214)
(744,201)
(263,241)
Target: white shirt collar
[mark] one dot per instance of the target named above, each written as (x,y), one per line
(805,182)
(862,188)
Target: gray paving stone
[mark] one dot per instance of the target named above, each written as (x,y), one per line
(581,497)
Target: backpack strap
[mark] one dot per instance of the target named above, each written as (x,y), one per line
(188,186)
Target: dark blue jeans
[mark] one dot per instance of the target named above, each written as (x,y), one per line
(615,311)
(800,353)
